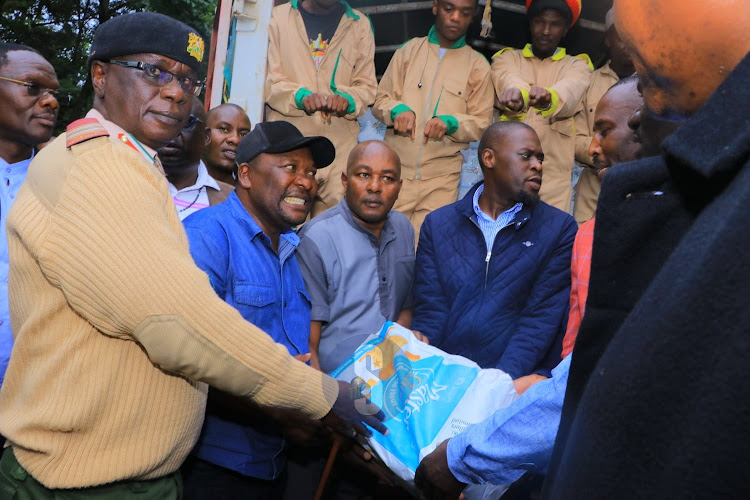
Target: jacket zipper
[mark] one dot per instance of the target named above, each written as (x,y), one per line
(487,257)
(427,112)
(487,267)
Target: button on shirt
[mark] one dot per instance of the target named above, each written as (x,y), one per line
(269,292)
(13,176)
(355,282)
(192,198)
(489,226)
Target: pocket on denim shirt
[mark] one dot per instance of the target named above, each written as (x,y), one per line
(253,301)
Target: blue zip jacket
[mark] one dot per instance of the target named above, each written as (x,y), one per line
(505,310)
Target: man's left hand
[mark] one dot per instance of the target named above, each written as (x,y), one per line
(435,478)
(435,129)
(337,105)
(539,97)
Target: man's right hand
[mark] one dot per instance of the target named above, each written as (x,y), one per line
(511,99)
(405,124)
(351,410)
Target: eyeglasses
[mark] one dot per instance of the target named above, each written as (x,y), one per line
(191,123)
(161,77)
(37,91)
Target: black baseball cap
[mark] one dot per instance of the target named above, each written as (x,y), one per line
(282,137)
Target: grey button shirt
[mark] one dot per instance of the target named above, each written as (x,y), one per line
(355,284)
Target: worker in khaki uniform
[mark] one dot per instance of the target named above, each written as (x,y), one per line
(543,86)
(619,66)
(321,78)
(436,98)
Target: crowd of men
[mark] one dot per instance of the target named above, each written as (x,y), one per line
(156,249)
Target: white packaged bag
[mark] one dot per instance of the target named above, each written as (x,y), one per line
(427,396)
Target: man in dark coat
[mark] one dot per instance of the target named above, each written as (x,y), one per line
(657,405)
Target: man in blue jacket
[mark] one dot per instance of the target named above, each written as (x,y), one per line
(493,269)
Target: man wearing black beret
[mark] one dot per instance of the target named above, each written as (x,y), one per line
(117,332)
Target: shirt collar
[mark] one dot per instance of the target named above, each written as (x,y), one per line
(385,236)
(243,218)
(480,213)
(22,165)
(528,52)
(203,180)
(432,37)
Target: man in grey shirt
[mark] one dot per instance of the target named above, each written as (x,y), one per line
(357,258)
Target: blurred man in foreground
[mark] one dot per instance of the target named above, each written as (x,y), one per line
(656,404)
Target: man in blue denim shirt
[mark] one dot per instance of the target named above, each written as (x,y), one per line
(247,248)
(29,114)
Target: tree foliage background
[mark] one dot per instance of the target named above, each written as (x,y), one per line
(62,31)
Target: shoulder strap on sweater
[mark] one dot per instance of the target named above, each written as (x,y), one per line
(83,130)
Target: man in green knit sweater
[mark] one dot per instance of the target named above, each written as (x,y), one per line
(117,333)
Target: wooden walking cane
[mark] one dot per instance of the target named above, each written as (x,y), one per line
(337,440)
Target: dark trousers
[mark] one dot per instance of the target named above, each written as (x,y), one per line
(17,484)
(206,481)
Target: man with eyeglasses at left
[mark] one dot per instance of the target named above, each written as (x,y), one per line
(117,333)
(190,184)
(28,90)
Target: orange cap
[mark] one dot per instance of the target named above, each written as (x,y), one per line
(572,7)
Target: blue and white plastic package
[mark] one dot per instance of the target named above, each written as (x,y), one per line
(427,395)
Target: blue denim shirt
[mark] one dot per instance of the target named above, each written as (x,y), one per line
(13,175)
(268,290)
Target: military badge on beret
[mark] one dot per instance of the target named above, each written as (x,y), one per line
(195,46)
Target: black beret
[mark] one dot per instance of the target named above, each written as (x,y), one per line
(148,32)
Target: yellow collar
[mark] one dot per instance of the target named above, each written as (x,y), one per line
(559,52)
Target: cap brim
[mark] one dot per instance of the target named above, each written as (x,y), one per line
(322,149)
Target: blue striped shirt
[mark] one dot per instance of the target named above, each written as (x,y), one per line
(489,226)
